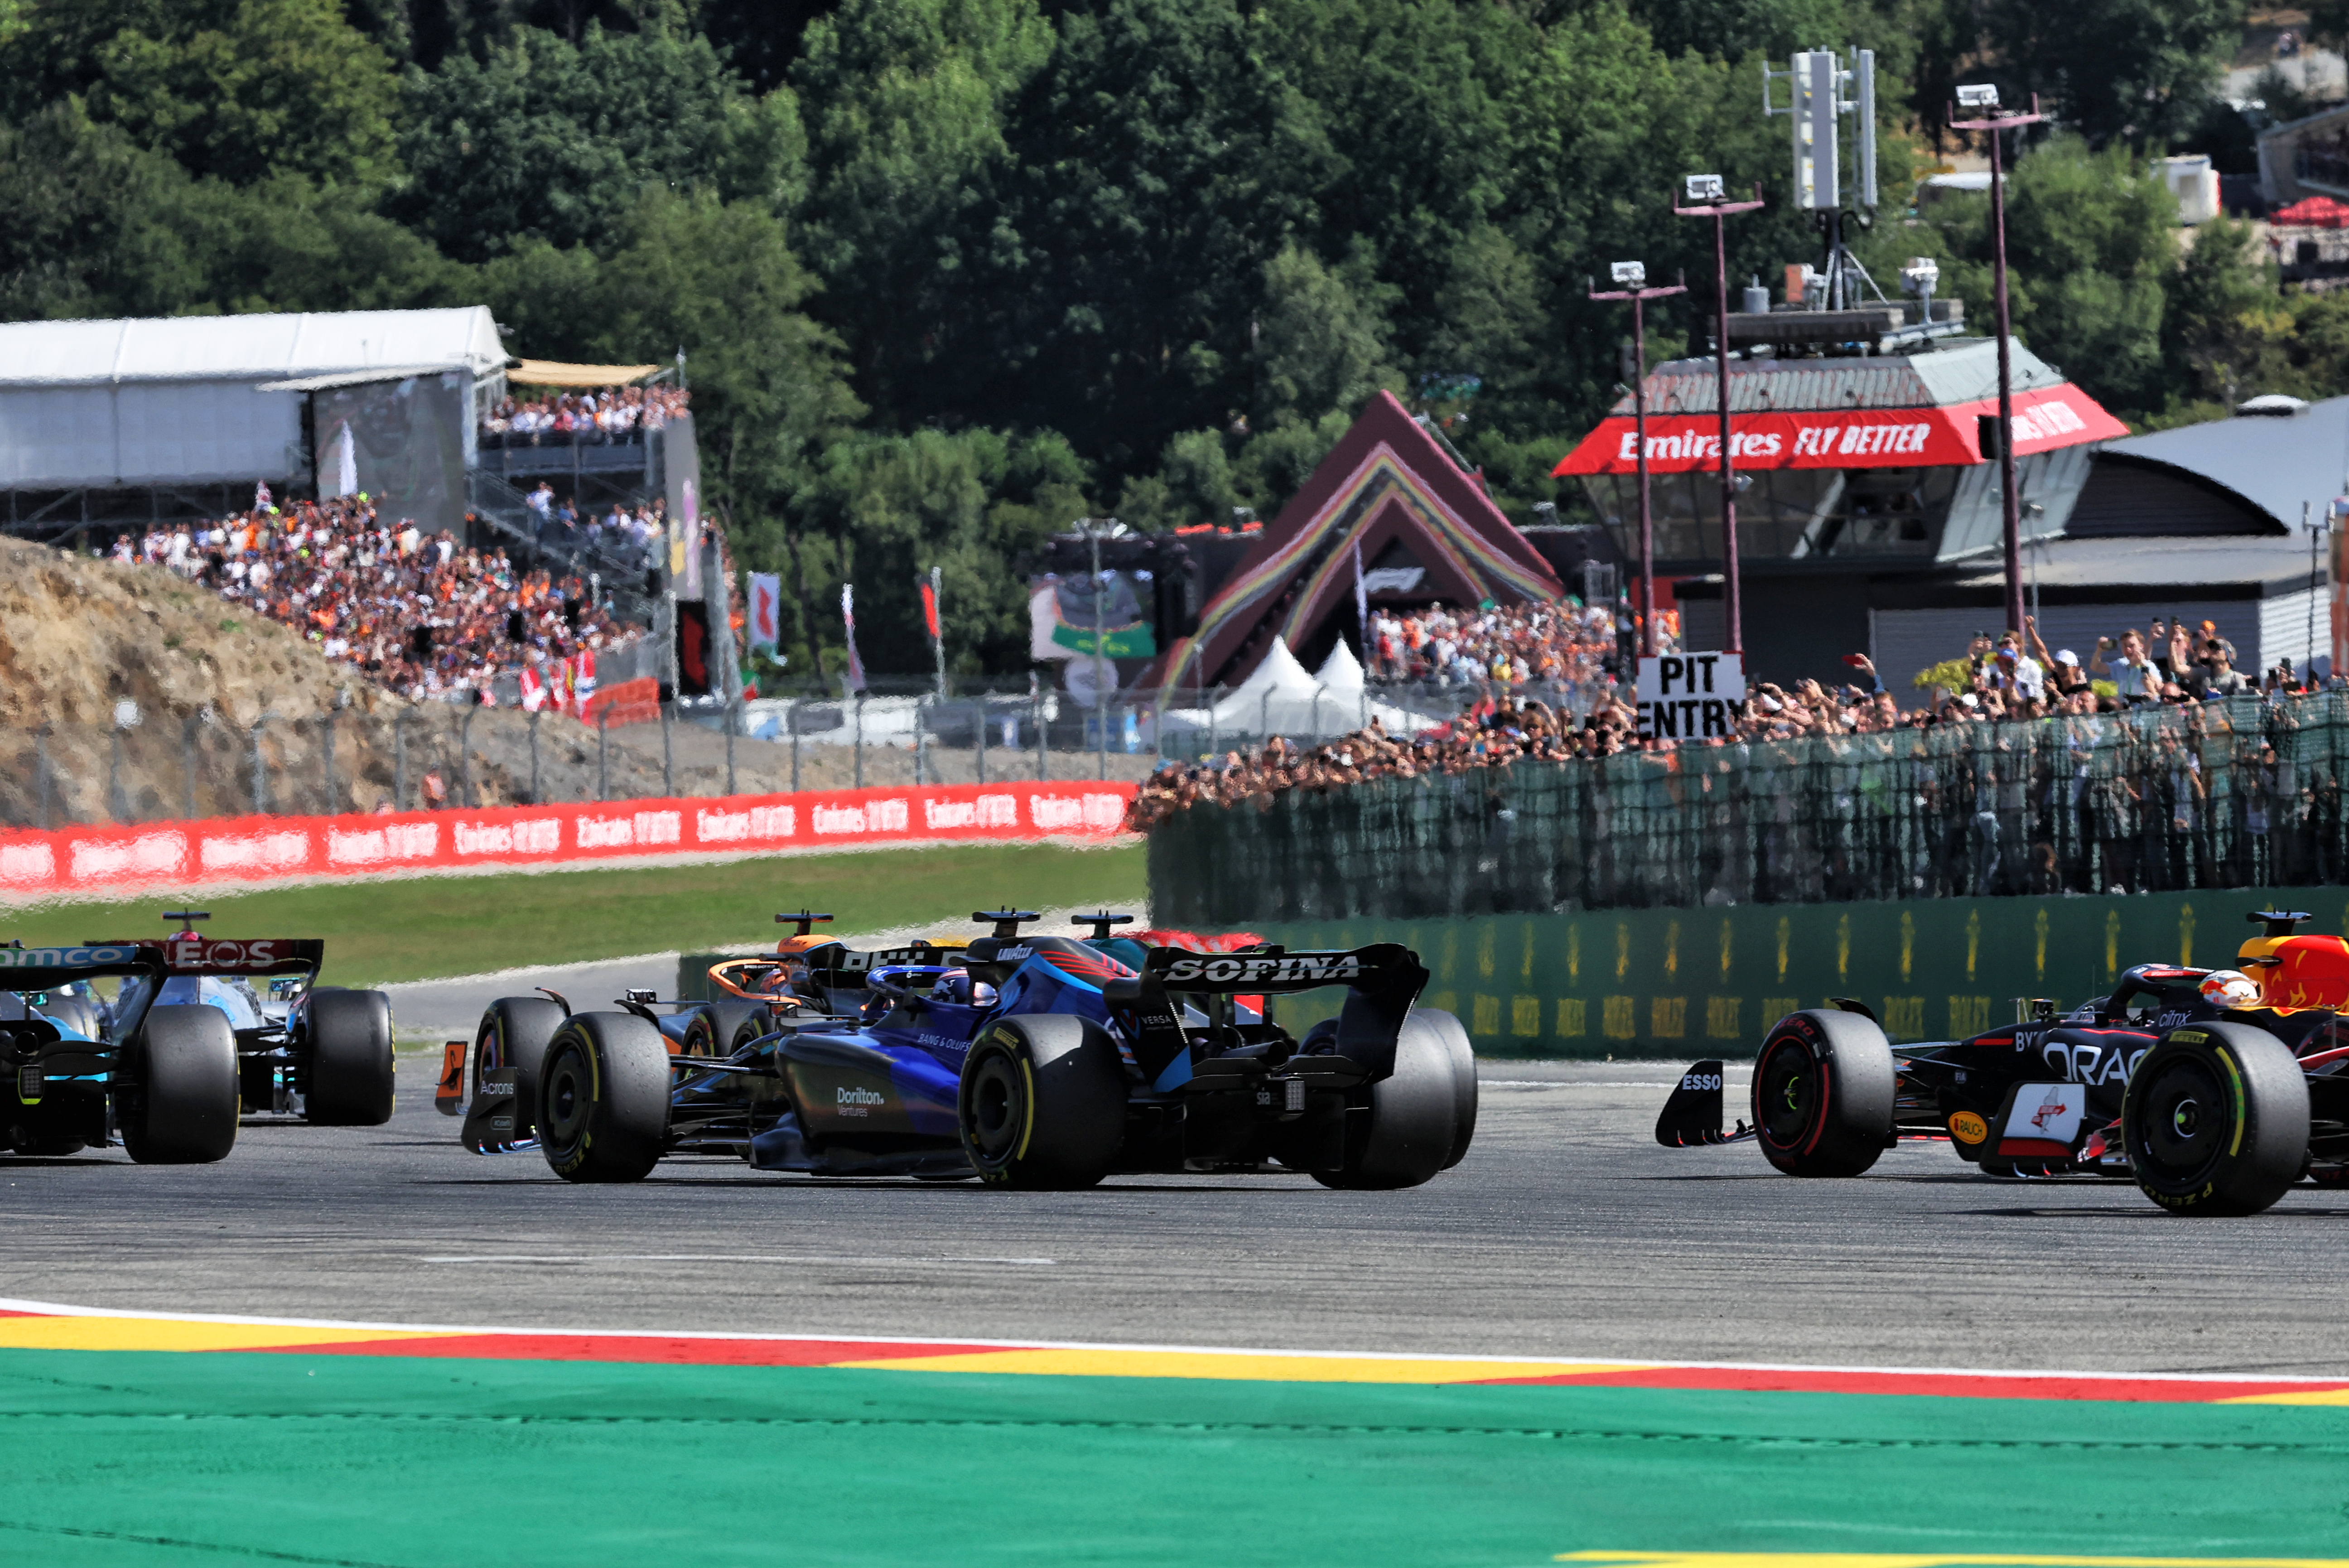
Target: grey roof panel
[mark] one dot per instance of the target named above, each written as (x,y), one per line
(1962,371)
(2274,462)
(2280,565)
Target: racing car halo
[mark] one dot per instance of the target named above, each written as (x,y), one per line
(2215,1092)
(185,1045)
(1026,1061)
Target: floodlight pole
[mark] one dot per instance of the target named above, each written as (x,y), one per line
(2011,504)
(1719,212)
(1639,298)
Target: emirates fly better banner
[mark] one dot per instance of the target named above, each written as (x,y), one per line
(162,855)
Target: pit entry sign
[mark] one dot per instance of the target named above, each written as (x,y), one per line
(1689,696)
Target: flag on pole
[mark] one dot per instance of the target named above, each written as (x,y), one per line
(534,689)
(848,622)
(930,608)
(1361,598)
(766,609)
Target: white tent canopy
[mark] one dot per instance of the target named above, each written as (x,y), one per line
(1280,697)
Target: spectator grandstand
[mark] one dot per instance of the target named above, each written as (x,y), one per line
(615,415)
(417,613)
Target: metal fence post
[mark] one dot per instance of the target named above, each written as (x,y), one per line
(117,806)
(399,760)
(326,748)
(668,754)
(465,759)
(733,713)
(1036,715)
(259,777)
(534,716)
(603,753)
(920,771)
(980,758)
(791,717)
(188,755)
(860,739)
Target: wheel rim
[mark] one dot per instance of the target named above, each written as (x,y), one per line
(995,1108)
(1786,1094)
(2184,1122)
(568,1097)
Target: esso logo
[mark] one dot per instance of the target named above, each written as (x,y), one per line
(1700,1082)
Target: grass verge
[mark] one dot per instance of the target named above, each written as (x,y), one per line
(422,928)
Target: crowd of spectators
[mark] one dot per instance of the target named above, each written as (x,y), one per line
(622,538)
(2001,680)
(617,414)
(417,612)
(1518,644)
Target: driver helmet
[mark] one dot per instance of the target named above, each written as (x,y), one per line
(2230,987)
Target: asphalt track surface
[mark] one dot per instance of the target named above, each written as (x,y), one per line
(1565,1232)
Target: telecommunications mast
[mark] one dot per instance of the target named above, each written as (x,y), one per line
(1819,80)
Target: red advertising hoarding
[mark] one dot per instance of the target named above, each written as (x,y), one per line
(106,860)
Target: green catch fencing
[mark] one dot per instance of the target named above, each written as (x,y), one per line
(1693,983)
(2231,794)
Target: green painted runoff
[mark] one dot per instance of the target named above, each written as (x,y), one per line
(123,1458)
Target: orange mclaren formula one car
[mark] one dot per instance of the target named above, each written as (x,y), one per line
(808,978)
(2216,1090)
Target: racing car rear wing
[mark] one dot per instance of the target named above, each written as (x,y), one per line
(188,953)
(1382,983)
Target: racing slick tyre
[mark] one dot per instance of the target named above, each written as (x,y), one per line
(1415,1118)
(1464,1079)
(603,1097)
(350,1077)
(178,1103)
(1823,1087)
(513,1033)
(1042,1102)
(724,1027)
(2215,1120)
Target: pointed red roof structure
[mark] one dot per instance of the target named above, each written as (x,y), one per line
(1386,484)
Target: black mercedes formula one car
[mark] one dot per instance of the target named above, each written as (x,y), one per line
(184,1046)
(2215,1092)
(1023,1060)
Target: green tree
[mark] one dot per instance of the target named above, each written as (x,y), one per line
(1321,345)
(545,140)
(2127,70)
(2092,252)
(906,103)
(279,86)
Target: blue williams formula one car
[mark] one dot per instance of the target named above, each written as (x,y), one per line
(185,1043)
(1025,1060)
(2215,1092)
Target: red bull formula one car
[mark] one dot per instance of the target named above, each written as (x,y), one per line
(2214,1090)
(1023,1060)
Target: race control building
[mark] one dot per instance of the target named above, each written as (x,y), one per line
(1869,487)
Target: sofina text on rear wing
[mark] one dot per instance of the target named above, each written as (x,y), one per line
(1382,983)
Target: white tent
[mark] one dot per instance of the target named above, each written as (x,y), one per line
(1280,699)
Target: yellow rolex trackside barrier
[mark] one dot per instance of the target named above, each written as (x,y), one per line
(1707,982)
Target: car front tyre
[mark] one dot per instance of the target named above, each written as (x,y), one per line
(602,1099)
(1823,1092)
(2215,1120)
(1042,1102)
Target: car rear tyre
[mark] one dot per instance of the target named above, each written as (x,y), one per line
(513,1033)
(176,1103)
(603,1097)
(351,1080)
(1823,1088)
(1415,1118)
(1042,1102)
(2215,1120)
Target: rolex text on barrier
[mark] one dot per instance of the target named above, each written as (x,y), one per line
(1689,696)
